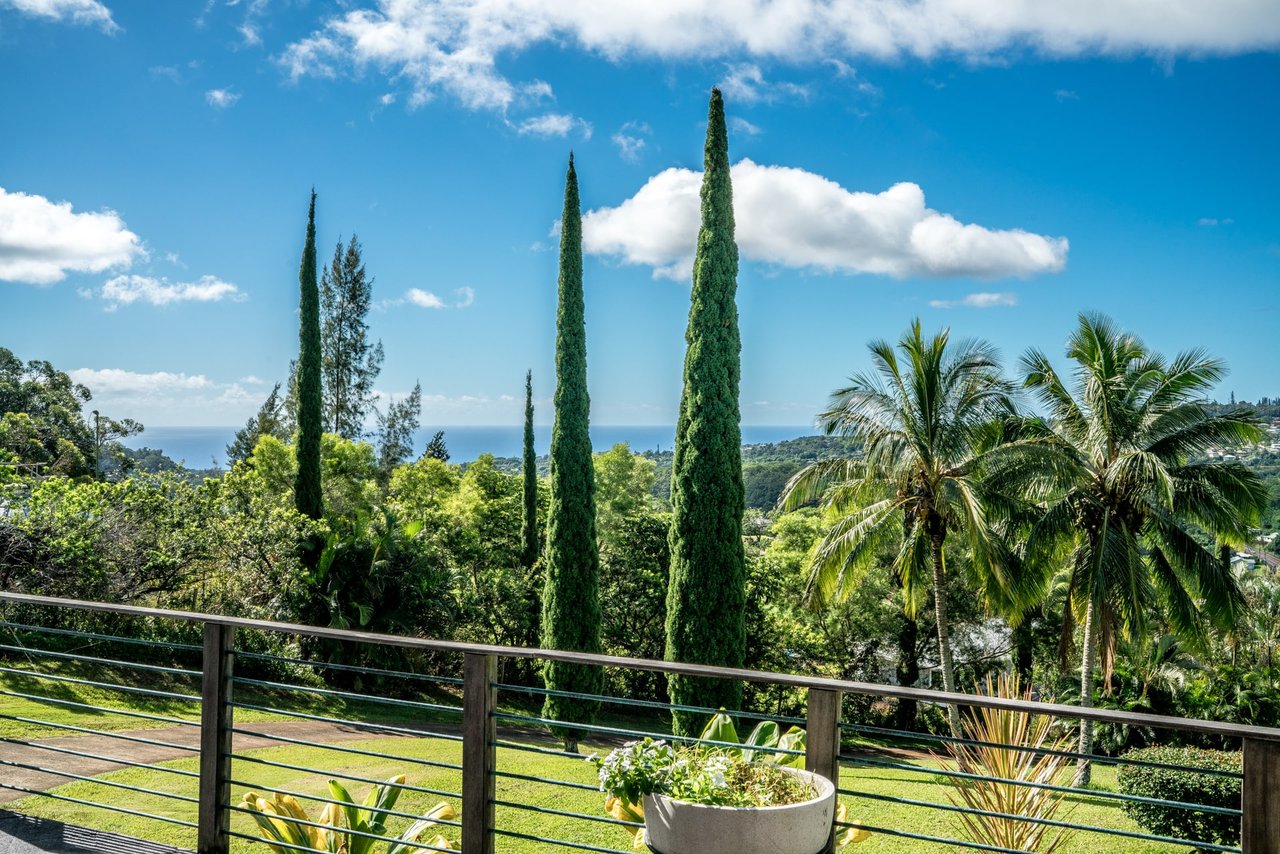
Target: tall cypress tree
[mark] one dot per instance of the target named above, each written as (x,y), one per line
(307,496)
(570,597)
(529,528)
(706,596)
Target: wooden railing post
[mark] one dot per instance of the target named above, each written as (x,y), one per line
(822,739)
(479,756)
(1260,801)
(213,815)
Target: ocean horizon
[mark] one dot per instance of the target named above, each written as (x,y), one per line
(202,447)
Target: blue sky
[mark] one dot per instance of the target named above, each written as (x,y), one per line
(995,168)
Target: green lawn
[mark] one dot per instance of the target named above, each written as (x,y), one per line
(889,782)
(898,783)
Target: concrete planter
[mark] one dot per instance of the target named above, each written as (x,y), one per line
(677,827)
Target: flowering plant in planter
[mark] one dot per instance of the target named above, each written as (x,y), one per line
(721,795)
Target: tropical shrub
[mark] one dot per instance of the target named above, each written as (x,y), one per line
(998,774)
(287,828)
(1208,789)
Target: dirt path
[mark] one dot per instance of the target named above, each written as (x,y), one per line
(49,755)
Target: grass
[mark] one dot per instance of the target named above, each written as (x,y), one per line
(896,783)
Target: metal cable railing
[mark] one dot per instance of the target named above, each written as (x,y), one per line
(486,746)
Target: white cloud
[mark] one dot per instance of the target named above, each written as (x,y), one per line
(387,99)
(422,299)
(630,139)
(457,47)
(797,219)
(740,125)
(979,300)
(126,290)
(167,397)
(221,98)
(1066,95)
(41,241)
(90,12)
(553,124)
(745,82)
(1210,221)
(465,297)
(253,380)
(249,32)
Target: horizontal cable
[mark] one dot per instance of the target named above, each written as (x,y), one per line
(563,843)
(98,805)
(347,695)
(604,819)
(87,731)
(1031,784)
(128,762)
(146,717)
(1048,822)
(351,668)
(267,790)
(109,686)
(547,780)
(279,844)
(96,637)
(979,846)
(255,760)
(132,665)
(647,704)
(1046,751)
(359,752)
(545,751)
(420,733)
(112,783)
(608,730)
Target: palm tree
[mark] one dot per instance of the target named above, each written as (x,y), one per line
(1135,506)
(928,419)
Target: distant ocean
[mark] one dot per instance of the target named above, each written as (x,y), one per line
(200,447)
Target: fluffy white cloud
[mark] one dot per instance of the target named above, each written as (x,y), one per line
(553,124)
(797,219)
(77,11)
(167,397)
(464,297)
(979,300)
(741,125)
(126,290)
(41,241)
(221,98)
(456,46)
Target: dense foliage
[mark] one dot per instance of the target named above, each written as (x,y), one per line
(706,599)
(1211,790)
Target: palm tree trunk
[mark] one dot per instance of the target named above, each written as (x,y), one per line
(907,671)
(1084,768)
(944,638)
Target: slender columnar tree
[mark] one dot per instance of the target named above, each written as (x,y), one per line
(529,528)
(570,597)
(306,492)
(706,598)
(349,362)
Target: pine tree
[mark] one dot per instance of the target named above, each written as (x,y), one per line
(395,431)
(706,598)
(307,496)
(436,448)
(570,596)
(269,421)
(529,527)
(350,362)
